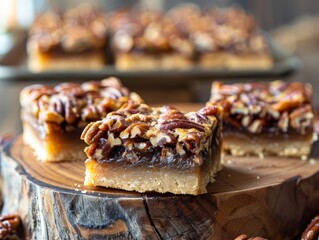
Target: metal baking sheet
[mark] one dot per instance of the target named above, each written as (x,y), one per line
(13,68)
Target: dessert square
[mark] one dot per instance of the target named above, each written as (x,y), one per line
(140,148)
(147,40)
(75,39)
(54,117)
(230,38)
(273,118)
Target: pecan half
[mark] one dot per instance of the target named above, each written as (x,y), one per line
(180,123)
(290,101)
(9,223)
(91,132)
(209,110)
(312,231)
(301,118)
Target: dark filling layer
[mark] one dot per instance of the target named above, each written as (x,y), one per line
(152,157)
(270,136)
(74,134)
(270,129)
(161,157)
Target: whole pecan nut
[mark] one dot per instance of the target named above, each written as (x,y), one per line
(9,224)
(312,231)
(180,123)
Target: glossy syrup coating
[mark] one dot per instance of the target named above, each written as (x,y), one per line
(140,131)
(277,106)
(71,105)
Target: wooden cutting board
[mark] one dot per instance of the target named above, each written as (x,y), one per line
(271,197)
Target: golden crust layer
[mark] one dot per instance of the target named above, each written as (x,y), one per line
(242,144)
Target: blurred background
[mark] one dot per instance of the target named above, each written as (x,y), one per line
(293,25)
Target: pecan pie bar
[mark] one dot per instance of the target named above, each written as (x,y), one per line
(144,39)
(273,118)
(229,38)
(75,39)
(54,117)
(154,149)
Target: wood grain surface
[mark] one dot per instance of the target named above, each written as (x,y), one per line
(272,197)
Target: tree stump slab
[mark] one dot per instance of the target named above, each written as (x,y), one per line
(272,197)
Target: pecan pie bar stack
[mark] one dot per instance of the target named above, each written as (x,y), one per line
(75,39)
(144,39)
(273,118)
(54,117)
(229,38)
(154,149)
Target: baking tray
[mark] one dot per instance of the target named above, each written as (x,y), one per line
(13,68)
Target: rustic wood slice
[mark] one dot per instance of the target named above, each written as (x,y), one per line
(271,197)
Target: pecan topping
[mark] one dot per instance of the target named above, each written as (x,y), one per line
(71,105)
(77,30)
(258,107)
(209,110)
(8,225)
(160,139)
(143,128)
(134,130)
(91,131)
(185,30)
(312,231)
(176,123)
(283,122)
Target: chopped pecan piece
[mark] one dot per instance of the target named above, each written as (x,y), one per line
(180,123)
